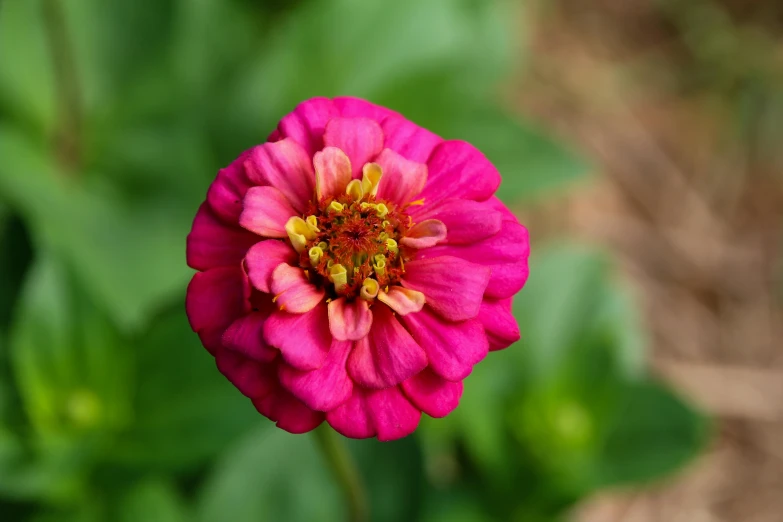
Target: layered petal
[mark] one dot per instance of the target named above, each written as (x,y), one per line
(307,122)
(425,234)
(212,243)
(246,336)
(349,320)
(332,173)
(499,324)
(506,253)
(408,139)
(402,179)
(303,339)
(452,286)
(387,414)
(266,211)
(360,138)
(433,394)
(215,299)
(262,260)
(290,414)
(327,387)
(350,107)
(226,193)
(458,170)
(402,300)
(387,356)
(466,221)
(250,377)
(452,348)
(294,293)
(286,166)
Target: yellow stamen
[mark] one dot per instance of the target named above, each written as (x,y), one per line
(339,276)
(380,265)
(323,245)
(382,210)
(335,206)
(312,223)
(299,233)
(354,189)
(391,245)
(369,289)
(316,253)
(372,174)
(385,224)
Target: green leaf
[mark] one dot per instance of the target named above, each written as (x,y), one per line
(129,254)
(69,361)
(270,476)
(27,88)
(186,411)
(153,500)
(393,477)
(651,434)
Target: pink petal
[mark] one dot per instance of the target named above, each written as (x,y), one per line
(246,336)
(506,253)
(387,356)
(458,170)
(353,417)
(425,234)
(466,221)
(250,377)
(288,412)
(408,139)
(386,413)
(452,348)
(303,339)
(432,394)
(323,389)
(402,179)
(266,211)
(499,324)
(350,107)
(452,286)
(393,415)
(286,166)
(498,206)
(226,193)
(215,299)
(294,293)
(212,243)
(360,138)
(307,122)
(332,173)
(402,300)
(262,259)
(349,320)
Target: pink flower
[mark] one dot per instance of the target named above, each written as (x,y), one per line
(353,269)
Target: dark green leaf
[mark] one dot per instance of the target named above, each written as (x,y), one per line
(272,476)
(186,411)
(652,433)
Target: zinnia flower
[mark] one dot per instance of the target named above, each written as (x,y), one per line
(353,269)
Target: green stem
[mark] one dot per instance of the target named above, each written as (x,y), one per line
(69,100)
(345,471)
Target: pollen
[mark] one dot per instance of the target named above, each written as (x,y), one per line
(350,243)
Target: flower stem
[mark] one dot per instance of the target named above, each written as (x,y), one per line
(346,472)
(69,101)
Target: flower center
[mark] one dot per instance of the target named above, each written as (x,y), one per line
(349,244)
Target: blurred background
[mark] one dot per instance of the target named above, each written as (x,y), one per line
(638,140)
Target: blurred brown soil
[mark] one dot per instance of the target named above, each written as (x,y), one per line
(671,101)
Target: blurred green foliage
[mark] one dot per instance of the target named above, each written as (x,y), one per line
(114,117)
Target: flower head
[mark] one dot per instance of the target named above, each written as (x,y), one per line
(353,269)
